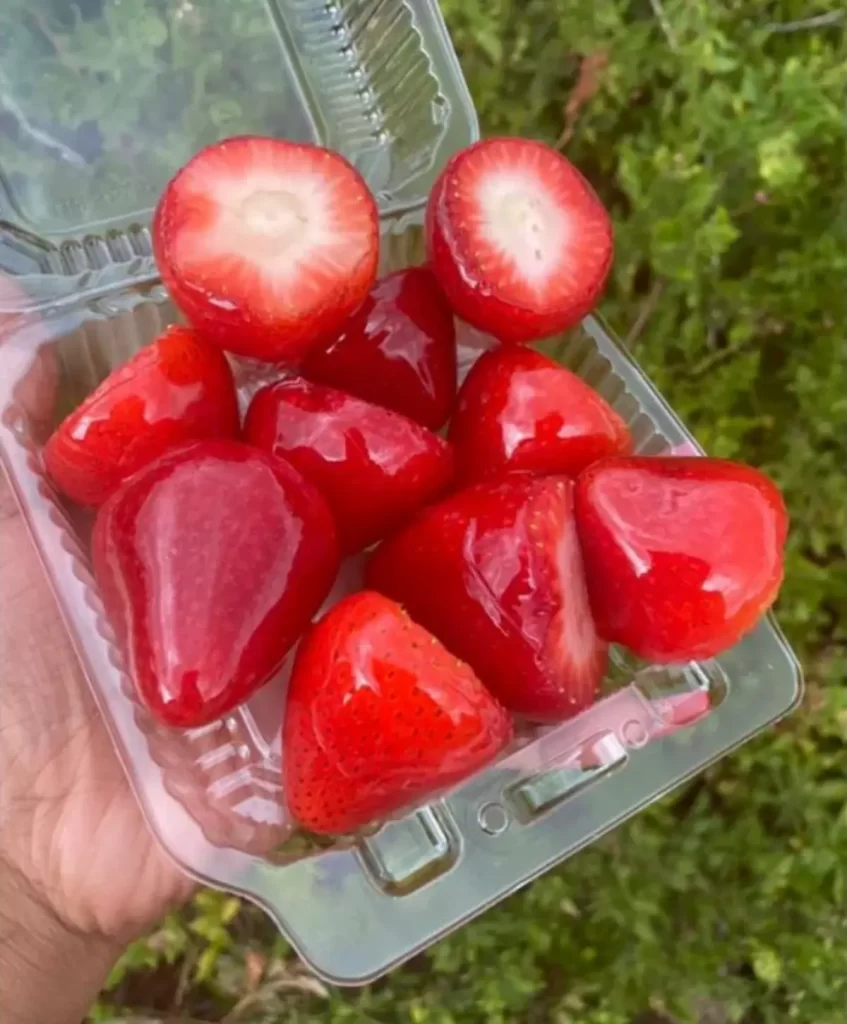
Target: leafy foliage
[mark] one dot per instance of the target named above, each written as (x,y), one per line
(107,104)
(713,128)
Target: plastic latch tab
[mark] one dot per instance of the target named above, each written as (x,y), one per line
(406,854)
(585,764)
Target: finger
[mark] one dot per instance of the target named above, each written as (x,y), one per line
(8,503)
(13,301)
(36,392)
(56,757)
(36,376)
(40,675)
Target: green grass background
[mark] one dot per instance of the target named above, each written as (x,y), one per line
(714,130)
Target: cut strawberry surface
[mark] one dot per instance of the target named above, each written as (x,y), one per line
(267,246)
(519,410)
(518,239)
(495,572)
(380,716)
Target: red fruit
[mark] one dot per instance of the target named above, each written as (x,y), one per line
(175,390)
(683,555)
(518,240)
(379,717)
(267,246)
(496,574)
(398,350)
(211,562)
(375,467)
(518,410)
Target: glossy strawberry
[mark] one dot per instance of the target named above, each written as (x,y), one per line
(517,238)
(211,562)
(379,717)
(496,574)
(267,246)
(175,390)
(519,410)
(398,350)
(374,466)
(683,555)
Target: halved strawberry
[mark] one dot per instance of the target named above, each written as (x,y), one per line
(495,572)
(267,246)
(518,239)
(379,717)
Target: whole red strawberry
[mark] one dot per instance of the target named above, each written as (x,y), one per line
(266,245)
(175,390)
(380,717)
(398,350)
(211,562)
(683,555)
(374,466)
(518,239)
(495,573)
(519,410)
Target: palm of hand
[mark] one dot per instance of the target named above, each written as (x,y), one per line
(68,820)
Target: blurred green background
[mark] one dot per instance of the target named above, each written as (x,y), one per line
(714,129)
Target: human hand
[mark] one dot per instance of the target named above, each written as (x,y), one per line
(80,874)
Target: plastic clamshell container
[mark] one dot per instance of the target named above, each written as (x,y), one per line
(355,908)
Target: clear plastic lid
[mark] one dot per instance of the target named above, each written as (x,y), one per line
(101,101)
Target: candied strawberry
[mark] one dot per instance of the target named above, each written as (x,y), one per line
(518,240)
(267,246)
(683,555)
(175,390)
(398,350)
(211,562)
(374,466)
(380,717)
(495,573)
(519,410)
